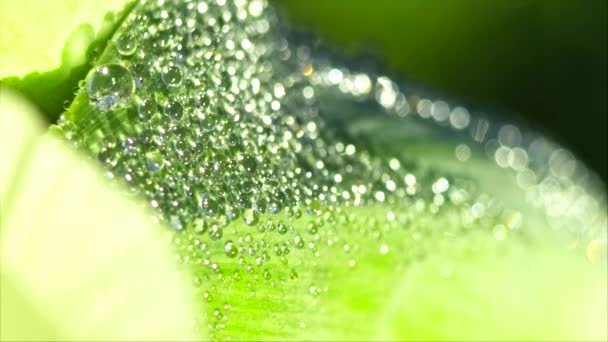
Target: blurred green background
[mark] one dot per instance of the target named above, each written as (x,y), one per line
(544,60)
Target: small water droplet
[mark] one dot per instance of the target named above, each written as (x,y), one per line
(171,76)
(298,241)
(250,217)
(154,161)
(231,249)
(249,164)
(126,44)
(174,109)
(146,108)
(293,274)
(216,232)
(282,228)
(176,223)
(199,226)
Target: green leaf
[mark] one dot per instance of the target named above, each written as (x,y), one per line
(341,224)
(79,261)
(46,46)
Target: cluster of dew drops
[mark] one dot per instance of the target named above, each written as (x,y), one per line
(209,112)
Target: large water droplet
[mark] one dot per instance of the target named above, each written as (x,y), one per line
(110,85)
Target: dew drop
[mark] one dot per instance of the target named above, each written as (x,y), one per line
(171,76)
(216,232)
(282,228)
(230,249)
(126,44)
(146,108)
(110,85)
(154,161)
(199,226)
(208,205)
(232,212)
(249,164)
(250,217)
(298,241)
(174,109)
(176,223)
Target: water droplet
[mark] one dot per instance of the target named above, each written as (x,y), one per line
(293,274)
(154,161)
(231,249)
(312,228)
(298,241)
(199,226)
(216,232)
(110,85)
(208,205)
(282,228)
(176,223)
(126,44)
(146,108)
(232,212)
(250,217)
(172,76)
(174,109)
(249,164)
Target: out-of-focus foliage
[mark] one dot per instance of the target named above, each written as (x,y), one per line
(543,59)
(78,260)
